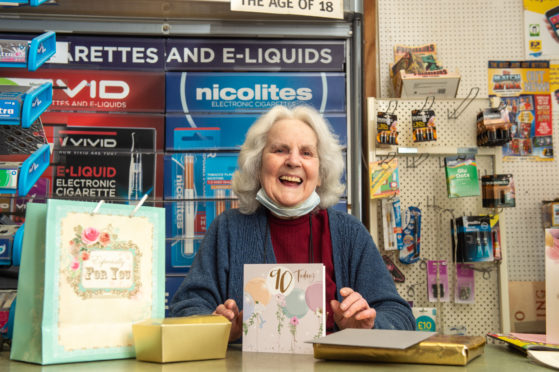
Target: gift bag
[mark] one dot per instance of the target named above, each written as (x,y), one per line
(86,276)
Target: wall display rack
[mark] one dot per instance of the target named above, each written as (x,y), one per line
(468,49)
(422,184)
(24,155)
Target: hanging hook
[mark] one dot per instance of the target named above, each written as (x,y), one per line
(411,290)
(389,105)
(426,102)
(467,101)
(421,159)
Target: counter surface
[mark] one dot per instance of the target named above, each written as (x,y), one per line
(495,358)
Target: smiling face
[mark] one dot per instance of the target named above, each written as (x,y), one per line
(290,163)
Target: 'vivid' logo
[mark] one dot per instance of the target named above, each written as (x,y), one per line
(88,142)
(105,89)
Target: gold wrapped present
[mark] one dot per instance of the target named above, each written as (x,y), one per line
(181,339)
(437,349)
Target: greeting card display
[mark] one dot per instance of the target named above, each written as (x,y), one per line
(87,276)
(283,307)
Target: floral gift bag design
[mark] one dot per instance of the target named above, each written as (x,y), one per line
(283,307)
(88,275)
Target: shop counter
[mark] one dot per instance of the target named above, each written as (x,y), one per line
(495,358)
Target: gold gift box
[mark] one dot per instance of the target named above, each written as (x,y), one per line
(438,349)
(181,339)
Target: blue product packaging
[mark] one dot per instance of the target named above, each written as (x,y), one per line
(398,223)
(199,188)
(7,234)
(11,101)
(411,236)
(225,131)
(474,239)
(253,92)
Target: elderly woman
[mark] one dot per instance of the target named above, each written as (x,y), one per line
(288,179)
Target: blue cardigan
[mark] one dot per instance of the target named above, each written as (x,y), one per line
(235,239)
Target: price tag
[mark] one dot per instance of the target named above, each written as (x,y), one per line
(311,8)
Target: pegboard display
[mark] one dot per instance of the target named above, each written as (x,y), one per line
(423,184)
(467,35)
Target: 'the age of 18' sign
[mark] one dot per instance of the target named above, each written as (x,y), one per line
(312,8)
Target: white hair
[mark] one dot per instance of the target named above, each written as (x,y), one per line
(246,180)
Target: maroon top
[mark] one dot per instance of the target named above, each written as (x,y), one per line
(290,239)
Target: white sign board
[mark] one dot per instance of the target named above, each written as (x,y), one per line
(311,8)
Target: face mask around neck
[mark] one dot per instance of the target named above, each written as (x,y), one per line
(299,210)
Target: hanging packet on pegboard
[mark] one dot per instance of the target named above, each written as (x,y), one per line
(387,129)
(392,224)
(411,236)
(465,284)
(437,281)
(423,126)
(384,180)
(461,176)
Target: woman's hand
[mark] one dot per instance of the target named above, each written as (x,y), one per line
(353,311)
(230,310)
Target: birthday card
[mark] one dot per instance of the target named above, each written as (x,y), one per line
(283,307)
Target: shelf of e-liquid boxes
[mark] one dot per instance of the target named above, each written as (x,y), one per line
(21,106)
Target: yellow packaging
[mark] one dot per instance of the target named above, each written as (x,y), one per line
(181,339)
(438,349)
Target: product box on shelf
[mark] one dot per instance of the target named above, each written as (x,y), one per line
(23,104)
(438,84)
(13,51)
(184,233)
(9,173)
(97,90)
(189,92)
(58,121)
(18,173)
(224,131)
(104,163)
(7,234)
(191,179)
(24,52)
(11,100)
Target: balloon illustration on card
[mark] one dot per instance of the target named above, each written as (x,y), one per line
(257,288)
(313,296)
(295,305)
(280,281)
(248,306)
